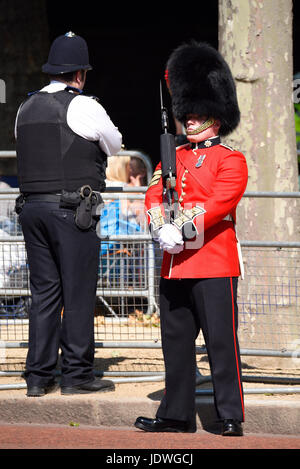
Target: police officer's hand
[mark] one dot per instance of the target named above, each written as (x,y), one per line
(170,239)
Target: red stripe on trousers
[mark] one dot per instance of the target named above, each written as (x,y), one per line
(235,349)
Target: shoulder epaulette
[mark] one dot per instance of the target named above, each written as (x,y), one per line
(227,146)
(81,92)
(93,97)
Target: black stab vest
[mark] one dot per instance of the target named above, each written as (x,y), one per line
(50,156)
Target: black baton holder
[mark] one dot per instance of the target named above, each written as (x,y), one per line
(85,202)
(20,202)
(83,214)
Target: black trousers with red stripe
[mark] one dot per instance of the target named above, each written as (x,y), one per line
(186,306)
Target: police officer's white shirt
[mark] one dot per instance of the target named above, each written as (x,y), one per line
(87,118)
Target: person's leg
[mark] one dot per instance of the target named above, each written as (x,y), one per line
(77,254)
(179,331)
(215,302)
(45,311)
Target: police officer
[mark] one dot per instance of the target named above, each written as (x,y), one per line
(200,268)
(63,140)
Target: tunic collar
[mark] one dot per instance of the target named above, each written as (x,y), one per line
(210,142)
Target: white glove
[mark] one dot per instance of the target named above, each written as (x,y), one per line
(170,239)
(176,249)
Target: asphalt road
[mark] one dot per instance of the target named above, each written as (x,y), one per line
(112,440)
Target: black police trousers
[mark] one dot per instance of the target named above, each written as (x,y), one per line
(63,264)
(186,306)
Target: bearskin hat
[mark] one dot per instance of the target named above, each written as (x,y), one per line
(200,82)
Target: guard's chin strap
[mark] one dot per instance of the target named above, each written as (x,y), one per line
(208,123)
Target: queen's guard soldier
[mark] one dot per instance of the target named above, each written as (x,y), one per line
(200,268)
(63,140)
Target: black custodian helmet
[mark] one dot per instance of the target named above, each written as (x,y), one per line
(68,53)
(200,82)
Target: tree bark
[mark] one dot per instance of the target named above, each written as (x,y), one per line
(255,37)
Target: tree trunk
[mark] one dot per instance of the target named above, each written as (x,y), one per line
(255,37)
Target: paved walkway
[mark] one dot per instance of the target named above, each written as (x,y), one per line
(105,421)
(77,437)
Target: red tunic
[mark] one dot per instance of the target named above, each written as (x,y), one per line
(214,179)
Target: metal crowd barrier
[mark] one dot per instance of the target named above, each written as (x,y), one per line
(128,281)
(127,310)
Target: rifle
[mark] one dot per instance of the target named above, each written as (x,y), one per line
(168,162)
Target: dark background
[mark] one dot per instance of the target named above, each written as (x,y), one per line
(128,48)
(129,45)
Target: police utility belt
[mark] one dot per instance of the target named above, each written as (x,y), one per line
(85,202)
